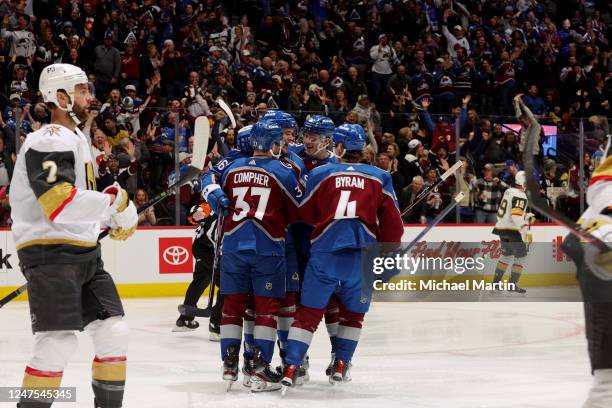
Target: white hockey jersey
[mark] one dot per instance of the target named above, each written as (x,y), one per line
(597,219)
(55,209)
(511,211)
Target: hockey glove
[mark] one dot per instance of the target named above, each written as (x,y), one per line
(196,185)
(124,217)
(218,201)
(599,263)
(530,218)
(121,198)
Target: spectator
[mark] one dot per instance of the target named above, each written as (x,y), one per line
(353,86)
(534,102)
(22,39)
(438,197)
(107,65)
(384,58)
(490,191)
(529,126)
(408,196)
(147,217)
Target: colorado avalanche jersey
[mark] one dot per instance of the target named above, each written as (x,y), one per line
(56,209)
(265,194)
(350,205)
(309,162)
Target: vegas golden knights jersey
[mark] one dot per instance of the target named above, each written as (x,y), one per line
(56,209)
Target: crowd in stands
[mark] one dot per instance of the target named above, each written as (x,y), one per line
(431,81)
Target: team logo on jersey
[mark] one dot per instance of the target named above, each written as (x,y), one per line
(175,255)
(33,318)
(268,285)
(287,165)
(364,300)
(295,276)
(53,130)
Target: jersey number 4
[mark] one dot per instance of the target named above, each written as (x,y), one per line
(243,208)
(346,208)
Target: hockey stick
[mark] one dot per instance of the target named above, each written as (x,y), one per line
(227,111)
(424,193)
(200,145)
(194,311)
(537,202)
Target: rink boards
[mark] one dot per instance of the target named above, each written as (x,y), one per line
(157,261)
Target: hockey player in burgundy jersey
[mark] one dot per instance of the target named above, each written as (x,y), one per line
(264,199)
(350,206)
(289,302)
(317,135)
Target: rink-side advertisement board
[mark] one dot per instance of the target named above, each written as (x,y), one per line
(158,262)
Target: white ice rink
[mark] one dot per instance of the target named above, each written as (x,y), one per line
(450,355)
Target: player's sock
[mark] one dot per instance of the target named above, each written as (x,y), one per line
(108,381)
(285,319)
(300,335)
(249,326)
(500,270)
(332,318)
(33,378)
(515,275)
(234,306)
(349,331)
(266,313)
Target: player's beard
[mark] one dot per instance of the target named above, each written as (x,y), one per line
(82,113)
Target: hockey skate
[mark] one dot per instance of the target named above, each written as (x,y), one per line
(214,332)
(330,367)
(263,378)
(290,375)
(520,291)
(302,372)
(340,372)
(230,366)
(183,325)
(247,371)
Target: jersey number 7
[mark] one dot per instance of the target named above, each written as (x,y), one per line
(243,208)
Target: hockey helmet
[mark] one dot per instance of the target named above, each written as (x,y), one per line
(64,77)
(244,140)
(520,179)
(266,134)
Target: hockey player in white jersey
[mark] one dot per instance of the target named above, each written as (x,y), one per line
(594,274)
(57,215)
(512,227)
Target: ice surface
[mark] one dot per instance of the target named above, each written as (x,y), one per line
(451,355)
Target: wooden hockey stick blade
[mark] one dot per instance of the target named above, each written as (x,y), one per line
(192,311)
(451,170)
(227,110)
(200,142)
(537,202)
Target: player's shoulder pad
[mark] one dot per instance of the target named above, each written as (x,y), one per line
(51,138)
(234,154)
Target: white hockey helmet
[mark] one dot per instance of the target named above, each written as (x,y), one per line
(520,179)
(65,77)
